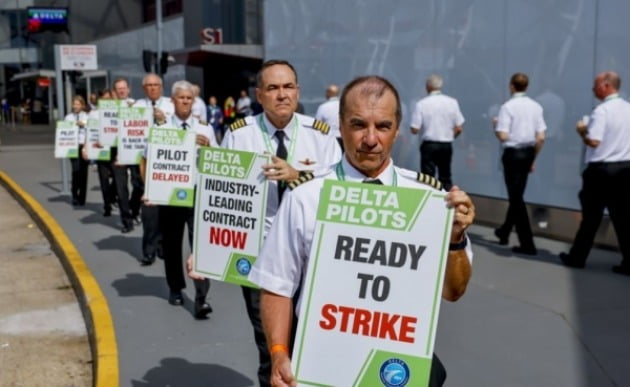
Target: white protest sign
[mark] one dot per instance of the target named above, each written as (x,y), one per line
(78,57)
(66,140)
(170,176)
(372,292)
(108,117)
(133,133)
(230,214)
(94,150)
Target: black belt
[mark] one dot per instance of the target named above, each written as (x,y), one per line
(609,163)
(435,142)
(519,147)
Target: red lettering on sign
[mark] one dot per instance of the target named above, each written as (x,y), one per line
(365,322)
(161,176)
(228,238)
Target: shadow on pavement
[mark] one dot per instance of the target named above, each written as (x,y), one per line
(544,255)
(60,198)
(54,186)
(97,217)
(135,284)
(138,285)
(176,372)
(131,245)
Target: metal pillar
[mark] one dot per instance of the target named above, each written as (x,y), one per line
(51,110)
(65,190)
(158,26)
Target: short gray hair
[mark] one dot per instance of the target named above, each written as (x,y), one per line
(182,85)
(144,80)
(434,82)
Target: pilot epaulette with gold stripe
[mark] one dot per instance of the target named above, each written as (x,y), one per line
(429,180)
(321,126)
(304,177)
(238,124)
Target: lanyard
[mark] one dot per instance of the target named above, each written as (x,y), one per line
(265,134)
(341,175)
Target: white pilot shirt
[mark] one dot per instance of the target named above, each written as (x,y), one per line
(165,104)
(82,116)
(200,110)
(328,112)
(610,124)
(313,149)
(284,256)
(436,115)
(194,125)
(522,118)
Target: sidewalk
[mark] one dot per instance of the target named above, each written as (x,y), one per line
(43,339)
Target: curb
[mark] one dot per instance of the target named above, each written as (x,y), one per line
(93,303)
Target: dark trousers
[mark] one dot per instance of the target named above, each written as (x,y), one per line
(604,185)
(172,221)
(79,178)
(129,206)
(435,159)
(107,183)
(151,237)
(252,302)
(517,164)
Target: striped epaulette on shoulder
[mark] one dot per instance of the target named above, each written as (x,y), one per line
(429,180)
(238,124)
(304,177)
(321,126)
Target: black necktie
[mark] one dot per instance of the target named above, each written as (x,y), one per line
(374,181)
(281,152)
(153,106)
(184,125)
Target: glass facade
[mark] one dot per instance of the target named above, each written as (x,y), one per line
(476,45)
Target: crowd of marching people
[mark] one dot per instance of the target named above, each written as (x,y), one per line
(351,138)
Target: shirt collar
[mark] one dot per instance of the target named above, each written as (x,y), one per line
(612,96)
(435,92)
(352,174)
(519,94)
(178,122)
(288,130)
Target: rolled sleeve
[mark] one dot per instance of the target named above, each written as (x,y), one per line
(504,120)
(416,117)
(597,125)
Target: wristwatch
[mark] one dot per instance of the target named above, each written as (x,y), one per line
(459,245)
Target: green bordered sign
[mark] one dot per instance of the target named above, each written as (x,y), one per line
(133,133)
(94,150)
(66,140)
(373,287)
(230,213)
(108,118)
(170,175)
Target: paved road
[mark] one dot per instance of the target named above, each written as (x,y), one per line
(523,322)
